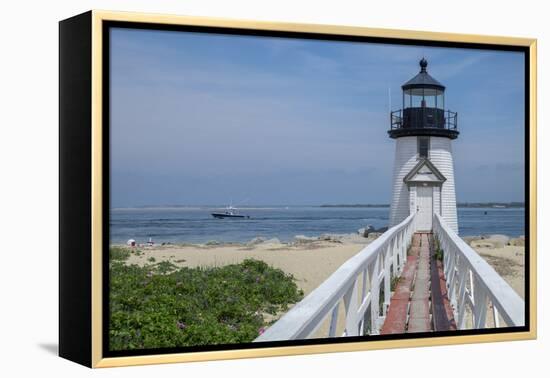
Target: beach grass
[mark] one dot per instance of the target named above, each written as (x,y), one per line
(161,305)
(119,254)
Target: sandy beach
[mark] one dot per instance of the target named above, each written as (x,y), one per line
(313,261)
(309,262)
(509,262)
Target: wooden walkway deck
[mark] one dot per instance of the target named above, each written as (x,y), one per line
(420,302)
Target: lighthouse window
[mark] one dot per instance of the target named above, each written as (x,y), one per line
(429,101)
(423,147)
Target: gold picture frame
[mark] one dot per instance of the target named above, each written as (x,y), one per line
(83,276)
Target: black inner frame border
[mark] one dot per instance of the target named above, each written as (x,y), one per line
(108,25)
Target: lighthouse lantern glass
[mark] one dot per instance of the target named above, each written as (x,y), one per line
(423,97)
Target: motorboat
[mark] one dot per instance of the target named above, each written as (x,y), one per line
(230,212)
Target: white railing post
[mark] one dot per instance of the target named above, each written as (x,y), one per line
(350,303)
(472,283)
(375,296)
(387,280)
(495,316)
(452,278)
(480,305)
(396,259)
(461,310)
(403,252)
(448,266)
(364,293)
(333,321)
(398,254)
(405,245)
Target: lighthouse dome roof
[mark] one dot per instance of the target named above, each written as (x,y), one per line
(423,79)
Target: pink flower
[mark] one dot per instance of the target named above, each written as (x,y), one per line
(181,325)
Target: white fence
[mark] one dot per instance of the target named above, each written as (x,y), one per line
(474,287)
(356,285)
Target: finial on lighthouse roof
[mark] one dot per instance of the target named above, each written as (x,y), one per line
(423,64)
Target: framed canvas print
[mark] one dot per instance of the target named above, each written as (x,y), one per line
(235,189)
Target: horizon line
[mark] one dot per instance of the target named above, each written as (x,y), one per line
(459,204)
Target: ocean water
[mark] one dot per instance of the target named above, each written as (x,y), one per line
(196,225)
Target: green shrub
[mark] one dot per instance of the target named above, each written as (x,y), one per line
(164,267)
(438,252)
(393,283)
(118,254)
(151,308)
(438,255)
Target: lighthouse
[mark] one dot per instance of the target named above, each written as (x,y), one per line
(423,175)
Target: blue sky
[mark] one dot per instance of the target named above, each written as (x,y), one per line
(205,119)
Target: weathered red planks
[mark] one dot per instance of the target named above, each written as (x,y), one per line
(419,319)
(420,302)
(396,318)
(443,317)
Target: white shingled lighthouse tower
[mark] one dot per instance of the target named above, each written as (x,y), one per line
(423,175)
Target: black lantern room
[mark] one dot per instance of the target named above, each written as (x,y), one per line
(423,111)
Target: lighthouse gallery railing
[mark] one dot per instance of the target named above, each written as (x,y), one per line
(357,288)
(474,287)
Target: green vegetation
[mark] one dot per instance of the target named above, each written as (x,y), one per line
(438,254)
(159,305)
(394,281)
(118,254)
(164,267)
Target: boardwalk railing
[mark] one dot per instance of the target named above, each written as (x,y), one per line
(474,287)
(356,288)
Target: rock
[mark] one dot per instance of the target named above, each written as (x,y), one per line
(498,240)
(331,237)
(257,240)
(382,229)
(489,241)
(374,235)
(302,239)
(481,244)
(470,239)
(517,242)
(366,231)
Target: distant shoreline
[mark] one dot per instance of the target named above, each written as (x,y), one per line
(496,205)
(301,240)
